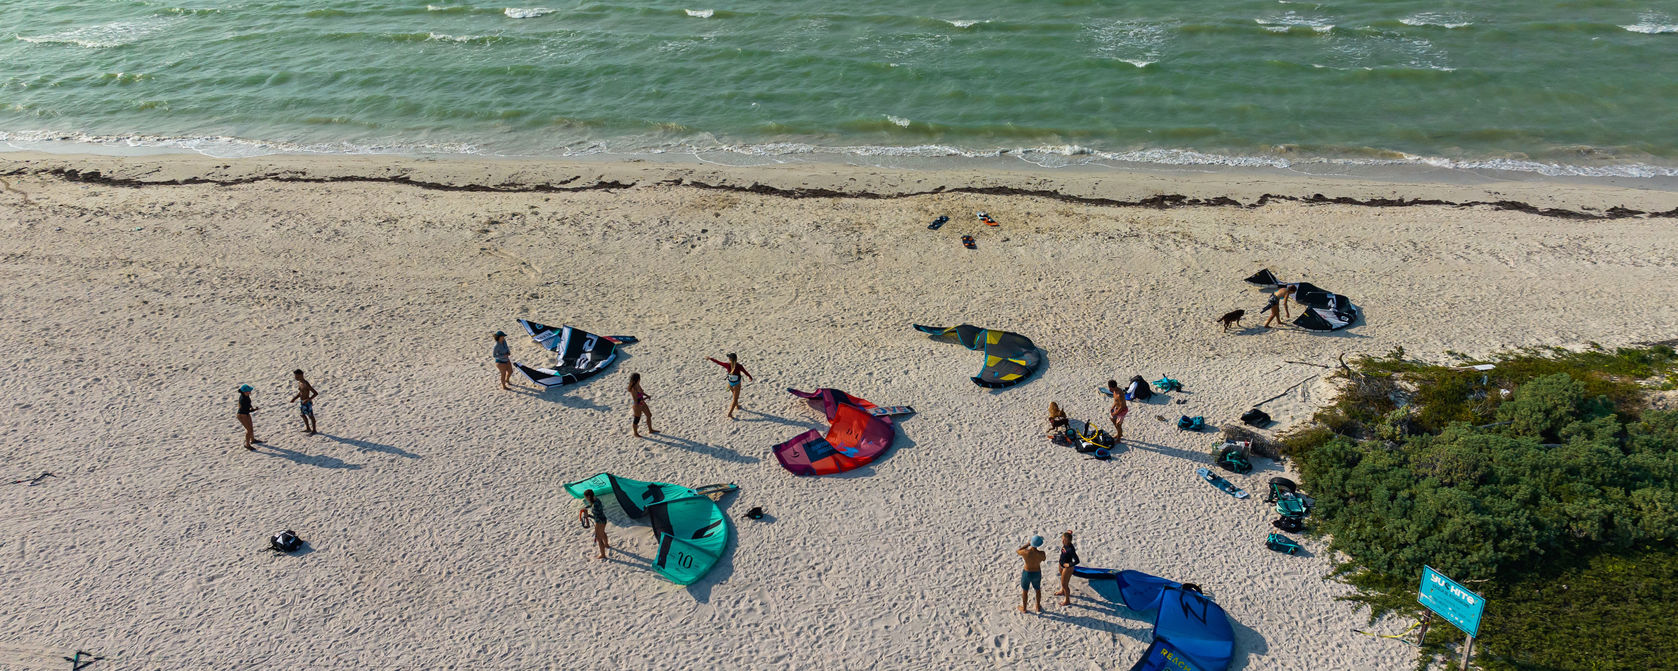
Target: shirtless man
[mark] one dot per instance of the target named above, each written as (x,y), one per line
(1032,577)
(306,394)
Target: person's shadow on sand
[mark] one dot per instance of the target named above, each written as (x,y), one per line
(322,460)
(722,453)
(369,446)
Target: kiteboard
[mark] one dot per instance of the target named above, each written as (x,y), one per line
(967,241)
(936,223)
(623,340)
(712,490)
(984,217)
(891,411)
(1220,483)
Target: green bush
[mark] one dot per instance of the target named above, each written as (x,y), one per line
(1499,489)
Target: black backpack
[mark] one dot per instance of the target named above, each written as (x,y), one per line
(285,541)
(1292,525)
(1143,391)
(1255,418)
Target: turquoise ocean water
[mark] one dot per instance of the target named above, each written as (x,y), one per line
(1577,87)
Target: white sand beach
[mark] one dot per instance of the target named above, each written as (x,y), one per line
(439,535)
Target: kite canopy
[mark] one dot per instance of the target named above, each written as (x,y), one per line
(692,531)
(1009,357)
(854,437)
(1190,632)
(1324,309)
(580,354)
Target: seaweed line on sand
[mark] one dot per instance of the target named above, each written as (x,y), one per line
(1160,202)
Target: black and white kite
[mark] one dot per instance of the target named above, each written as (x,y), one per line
(579,354)
(1324,309)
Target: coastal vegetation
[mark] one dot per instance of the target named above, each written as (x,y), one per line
(1547,482)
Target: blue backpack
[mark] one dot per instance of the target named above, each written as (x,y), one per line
(1187,423)
(1282,544)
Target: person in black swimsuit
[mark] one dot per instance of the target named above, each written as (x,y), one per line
(593,513)
(1068,559)
(245,410)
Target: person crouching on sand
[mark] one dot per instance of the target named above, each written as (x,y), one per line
(639,398)
(1056,432)
(1279,304)
(1032,577)
(592,512)
(503,358)
(735,370)
(245,410)
(1068,560)
(1120,409)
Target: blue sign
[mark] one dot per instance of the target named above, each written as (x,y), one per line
(1451,601)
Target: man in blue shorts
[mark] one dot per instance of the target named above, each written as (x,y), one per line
(1032,577)
(306,394)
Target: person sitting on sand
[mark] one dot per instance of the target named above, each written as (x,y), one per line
(1057,423)
(1068,559)
(306,396)
(639,398)
(245,410)
(593,512)
(1032,577)
(1279,304)
(735,370)
(503,359)
(1120,409)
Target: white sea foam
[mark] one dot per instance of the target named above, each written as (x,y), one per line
(900,121)
(1138,43)
(1653,23)
(700,13)
(965,23)
(446,8)
(527,12)
(105,35)
(1289,20)
(1450,20)
(443,37)
(1046,156)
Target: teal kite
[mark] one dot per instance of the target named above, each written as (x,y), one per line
(692,531)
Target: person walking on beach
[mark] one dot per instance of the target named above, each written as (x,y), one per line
(593,513)
(639,397)
(503,359)
(1068,559)
(245,410)
(735,370)
(1278,305)
(1120,409)
(1032,577)
(306,401)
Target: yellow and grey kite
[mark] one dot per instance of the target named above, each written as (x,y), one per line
(1009,357)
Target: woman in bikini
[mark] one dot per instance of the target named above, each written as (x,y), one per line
(735,370)
(1120,409)
(1279,304)
(1056,432)
(639,397)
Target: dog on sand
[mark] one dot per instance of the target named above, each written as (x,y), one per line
(1232,318)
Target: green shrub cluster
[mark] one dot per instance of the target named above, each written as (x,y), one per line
(1503,479)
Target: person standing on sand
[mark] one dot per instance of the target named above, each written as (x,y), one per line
(306,397)
(1120,409)
(245,410)
(503,359)
(735,370)
(592,512)
(639,397)
(1068,559)
(1279,304)
(1032,577)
